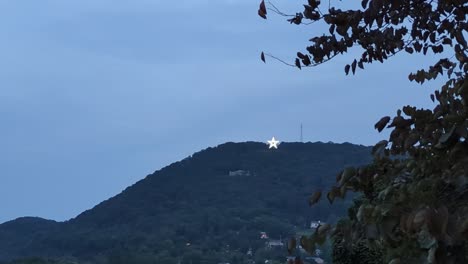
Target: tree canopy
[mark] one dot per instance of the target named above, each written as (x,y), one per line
(196,211)
(414,207)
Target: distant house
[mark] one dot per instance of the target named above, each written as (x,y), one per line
(315,224)
(263,235)
(315,260)
(239,173)
(274,243)
(318,260)
(292,259)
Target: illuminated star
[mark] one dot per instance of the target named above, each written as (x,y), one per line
(273,143)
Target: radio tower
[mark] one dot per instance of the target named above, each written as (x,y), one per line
(301,134)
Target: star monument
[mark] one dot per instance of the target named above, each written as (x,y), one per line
(273,143)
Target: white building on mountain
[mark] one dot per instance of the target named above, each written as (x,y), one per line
(315,224)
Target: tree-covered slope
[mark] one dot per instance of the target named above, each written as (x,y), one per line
(197,202)
(19,233)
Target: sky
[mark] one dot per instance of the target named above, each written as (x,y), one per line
(95,95)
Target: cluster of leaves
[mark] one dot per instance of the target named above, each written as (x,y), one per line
(383,28)
(415,207)
(415,193)
(359,252)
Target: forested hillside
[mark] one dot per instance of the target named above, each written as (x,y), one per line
(207,208)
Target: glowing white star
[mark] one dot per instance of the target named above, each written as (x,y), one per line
(273,143)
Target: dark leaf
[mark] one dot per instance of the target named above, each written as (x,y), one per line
(382,123)
(460,39)
(364,3)
(323,229)
(307,244)
(262,12)
(334,193)
(411,140)
(314,3)
(400,122)
(331,197)
(379,148)
(447,41)
(291,245)
(379,20)
(449,72)
(262,57)
(417,46)
(353,66)
(297,19)
(298,63)
(315,198)
(446,136)
(432,37)
(346,69)
(425,50)
(338,176)
(360,64)
(347,174)
(408,110)
(426,35)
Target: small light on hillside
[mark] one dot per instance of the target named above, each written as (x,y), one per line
(273,143)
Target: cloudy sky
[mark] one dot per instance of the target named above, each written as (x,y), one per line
(96,94)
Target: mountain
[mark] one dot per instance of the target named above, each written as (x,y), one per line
(218,200)
(21,232)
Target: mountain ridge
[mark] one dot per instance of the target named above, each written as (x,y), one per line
(190,194)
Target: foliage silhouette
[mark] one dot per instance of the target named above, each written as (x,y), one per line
(415,207)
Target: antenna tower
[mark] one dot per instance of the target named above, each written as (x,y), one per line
(302,139)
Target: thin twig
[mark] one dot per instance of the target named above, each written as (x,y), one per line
(280,60)
(302,66)
(311,22)
(276,10)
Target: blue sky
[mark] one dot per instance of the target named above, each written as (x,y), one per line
(95,95)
